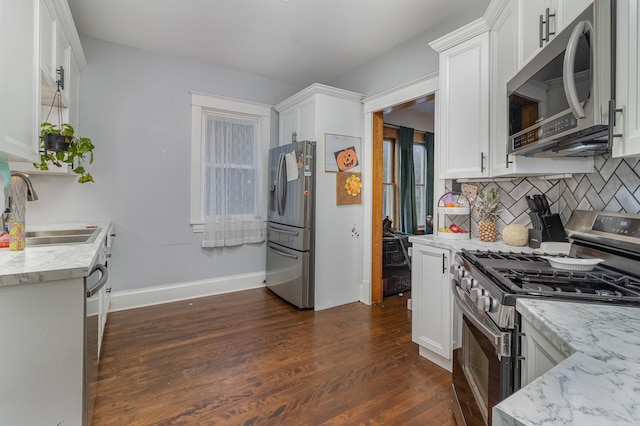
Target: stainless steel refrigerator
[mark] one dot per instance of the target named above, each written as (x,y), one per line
(290,227)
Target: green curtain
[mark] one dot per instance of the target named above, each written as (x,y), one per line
(429,144)
(409,223)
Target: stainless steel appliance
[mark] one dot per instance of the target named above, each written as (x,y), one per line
(97,278)
(290,227)
(486,284)
(559,103)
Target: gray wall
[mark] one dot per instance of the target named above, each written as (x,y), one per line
(136,108)
(408,61)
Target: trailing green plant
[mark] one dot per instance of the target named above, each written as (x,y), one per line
(79,149)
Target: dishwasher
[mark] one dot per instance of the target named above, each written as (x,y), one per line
(94,282)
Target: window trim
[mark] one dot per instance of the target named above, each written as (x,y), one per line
(204,102)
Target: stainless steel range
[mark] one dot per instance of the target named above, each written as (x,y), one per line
(486,284)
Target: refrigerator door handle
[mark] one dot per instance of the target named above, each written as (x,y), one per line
(284,231)
(281,184)
(282,253)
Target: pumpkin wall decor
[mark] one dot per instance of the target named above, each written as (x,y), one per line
(346,159)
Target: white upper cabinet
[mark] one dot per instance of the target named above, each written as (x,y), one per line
(476,63)
(464,106)
(19,80)
(537,24)
(568,10)
(504,48)
(61,56)
(298,119)
(540,20)
(628,81)
(36,38)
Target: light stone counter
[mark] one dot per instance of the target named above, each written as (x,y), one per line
(598,384)
(469,244)
(52,262)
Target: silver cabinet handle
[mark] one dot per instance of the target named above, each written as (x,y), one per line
(482,162)
(282,253)
(541,38)
(101,282)
(283,231)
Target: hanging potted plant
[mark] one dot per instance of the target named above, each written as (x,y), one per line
(54,138)
(73,150)
(58,145)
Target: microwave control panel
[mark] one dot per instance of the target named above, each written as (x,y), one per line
(545,130)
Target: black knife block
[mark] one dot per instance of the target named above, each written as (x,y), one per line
(546,227)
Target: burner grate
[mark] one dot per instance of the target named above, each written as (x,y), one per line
(527,274)
(598,283)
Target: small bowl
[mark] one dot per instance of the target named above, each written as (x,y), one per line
(571,263)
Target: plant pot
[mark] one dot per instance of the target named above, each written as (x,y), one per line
(56,142)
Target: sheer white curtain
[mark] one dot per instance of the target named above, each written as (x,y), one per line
(232,184)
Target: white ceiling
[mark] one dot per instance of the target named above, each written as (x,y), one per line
(293,41)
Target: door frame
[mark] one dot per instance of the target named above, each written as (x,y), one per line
(374,108)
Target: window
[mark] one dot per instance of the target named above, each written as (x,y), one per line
(229,146)
(388,180)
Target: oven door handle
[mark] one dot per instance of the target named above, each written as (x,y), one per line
(500,340)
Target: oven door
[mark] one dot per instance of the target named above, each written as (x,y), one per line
(482,365)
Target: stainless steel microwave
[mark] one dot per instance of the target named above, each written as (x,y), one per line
(559,101)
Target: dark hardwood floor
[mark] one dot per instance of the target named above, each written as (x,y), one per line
(247,358)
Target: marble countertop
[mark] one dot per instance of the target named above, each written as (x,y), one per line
(470,244)
(599,382)
(53,262)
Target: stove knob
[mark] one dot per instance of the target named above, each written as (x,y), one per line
(486,303)
(476,293)
(467,283)
(458,272)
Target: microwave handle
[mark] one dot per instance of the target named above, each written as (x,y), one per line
(569,80)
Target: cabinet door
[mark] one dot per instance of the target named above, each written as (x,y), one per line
(307,120)
(431,298)
(47,27)
(63,61)
(464,101)
(503,67)
(628,78)
(539,354)
(532,27)
(19,80)
(288,125)
(568,10)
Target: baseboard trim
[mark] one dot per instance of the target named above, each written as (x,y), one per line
(149,296)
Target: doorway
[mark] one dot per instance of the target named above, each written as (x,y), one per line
(376,108)
(407,187)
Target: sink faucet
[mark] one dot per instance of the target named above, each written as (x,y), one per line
(31,193)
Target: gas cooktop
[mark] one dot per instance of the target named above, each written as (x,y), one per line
(527,274)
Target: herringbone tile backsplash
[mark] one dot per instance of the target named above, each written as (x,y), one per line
(613,187)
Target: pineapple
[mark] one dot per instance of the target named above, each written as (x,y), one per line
(488,209)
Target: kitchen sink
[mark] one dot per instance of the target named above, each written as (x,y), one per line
(61,236)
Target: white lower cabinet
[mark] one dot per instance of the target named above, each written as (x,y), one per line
(433,318)
(540,355)
(42,353)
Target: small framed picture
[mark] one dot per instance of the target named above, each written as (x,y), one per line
(341,153)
